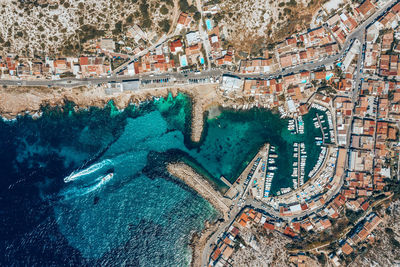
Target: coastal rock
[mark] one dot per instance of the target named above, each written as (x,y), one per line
(18,100)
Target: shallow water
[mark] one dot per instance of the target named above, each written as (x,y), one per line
(139,216)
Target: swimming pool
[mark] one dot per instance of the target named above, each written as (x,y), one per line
(209,26)
(183,61)
(329,76)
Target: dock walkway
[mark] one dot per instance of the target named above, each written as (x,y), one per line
(322,130)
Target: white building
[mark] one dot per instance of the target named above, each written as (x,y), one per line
(231,83)
(193,38)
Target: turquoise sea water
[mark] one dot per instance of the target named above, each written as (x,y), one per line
(141,216)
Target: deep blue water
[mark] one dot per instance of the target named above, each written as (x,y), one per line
(140,217)
(56,209)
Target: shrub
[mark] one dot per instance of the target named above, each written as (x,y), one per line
(197,16)
(291,3)
(165,25)
(146,23)
(164,10)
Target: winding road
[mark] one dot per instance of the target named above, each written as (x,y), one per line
(180,78)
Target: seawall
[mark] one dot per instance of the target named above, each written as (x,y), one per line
(200,185)
(204,189)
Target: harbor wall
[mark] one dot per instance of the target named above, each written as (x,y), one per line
(195,181)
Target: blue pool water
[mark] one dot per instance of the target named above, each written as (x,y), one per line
(183,61)
(329,76)
(208,24)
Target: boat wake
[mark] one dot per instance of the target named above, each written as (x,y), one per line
(93,168)
(78,192)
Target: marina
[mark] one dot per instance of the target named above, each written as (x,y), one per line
(283,163)
(299,164)
(318,165)
(271,169)
(296,125)
(320,123)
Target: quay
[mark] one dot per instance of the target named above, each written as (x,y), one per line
(251,177)
(322,130)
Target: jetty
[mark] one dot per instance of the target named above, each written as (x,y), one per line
(269,171)
(322,129)
(223,179)
(201,186)
(252,177)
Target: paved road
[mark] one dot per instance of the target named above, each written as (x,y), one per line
(358,34)
(69,82)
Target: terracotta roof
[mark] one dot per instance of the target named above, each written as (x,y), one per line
(269,226)
(347,249)
(365,7)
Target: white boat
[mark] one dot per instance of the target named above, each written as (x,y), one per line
(107,178)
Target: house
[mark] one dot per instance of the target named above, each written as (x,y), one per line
(93,66)
(107,44)
(365,9)
(176,46)
(387,40)
(347,249)
(183,21)
(136,33)
(193,38)
(61,66)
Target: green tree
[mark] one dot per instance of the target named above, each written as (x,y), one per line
(117,28)
(129,19)
(146,23)
(165,25)
(164,10)
(197,16)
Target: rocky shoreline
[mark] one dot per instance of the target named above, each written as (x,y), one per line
(199,241)
(214,197)
(19,101)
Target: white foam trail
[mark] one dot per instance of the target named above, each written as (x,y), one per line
(74,192)
(91,169)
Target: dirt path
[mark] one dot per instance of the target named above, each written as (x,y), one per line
(175,16)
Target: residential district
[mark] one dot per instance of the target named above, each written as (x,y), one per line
(346,69)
